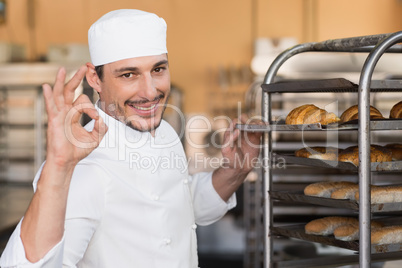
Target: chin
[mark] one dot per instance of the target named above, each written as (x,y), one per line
(145,125)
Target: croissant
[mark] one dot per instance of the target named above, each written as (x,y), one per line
(310,114)
(352,113)
(396,111)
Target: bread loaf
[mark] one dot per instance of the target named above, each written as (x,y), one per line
(396,111)
(319,152)
(384,194)
(310,114)
(327,225)
(377,154)
(324,189)
(386,235)
(396,151)
(347,192)
(352,113)
(350,232)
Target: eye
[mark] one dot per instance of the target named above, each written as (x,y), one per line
(159,69)
(127,75)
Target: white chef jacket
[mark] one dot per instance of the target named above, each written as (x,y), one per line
(131,203)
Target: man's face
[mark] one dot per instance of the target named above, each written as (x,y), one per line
(135,91)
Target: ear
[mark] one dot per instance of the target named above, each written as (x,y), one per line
(92,78)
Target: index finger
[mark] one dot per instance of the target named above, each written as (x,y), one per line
(71,86)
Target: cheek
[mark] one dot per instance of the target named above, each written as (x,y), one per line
(115,94)
(162,82)
(165,87)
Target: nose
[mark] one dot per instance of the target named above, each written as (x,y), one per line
(148,89)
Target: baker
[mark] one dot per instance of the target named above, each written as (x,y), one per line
(92,206)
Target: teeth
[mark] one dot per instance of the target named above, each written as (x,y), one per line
(145,108)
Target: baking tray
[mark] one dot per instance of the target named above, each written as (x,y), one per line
(375,124)
(329,202)
(327,261)
(297,231)
(375,166)
(329,85)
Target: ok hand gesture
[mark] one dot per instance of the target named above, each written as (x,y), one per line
(67,141)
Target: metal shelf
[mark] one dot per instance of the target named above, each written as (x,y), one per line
(330,86)
(375,124)
(297,231)
(375,166)
(334,261)
(336,203)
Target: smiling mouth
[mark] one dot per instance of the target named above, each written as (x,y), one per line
(146,106)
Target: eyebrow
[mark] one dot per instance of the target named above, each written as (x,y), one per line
(136,69)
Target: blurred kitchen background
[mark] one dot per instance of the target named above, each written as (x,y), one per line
(219,51)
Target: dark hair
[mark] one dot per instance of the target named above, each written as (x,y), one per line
(99,71)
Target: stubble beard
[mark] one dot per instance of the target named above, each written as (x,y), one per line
(120,115)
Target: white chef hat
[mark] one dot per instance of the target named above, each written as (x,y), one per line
(124,34)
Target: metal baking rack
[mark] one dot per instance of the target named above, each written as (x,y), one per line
(336,261)
(375,46)
(374,166)
(329,85)
(375,124)
(336,203)
(297,231)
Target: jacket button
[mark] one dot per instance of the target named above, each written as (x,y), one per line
(167,241)
(155,197)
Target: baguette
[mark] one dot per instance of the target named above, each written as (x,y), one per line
(384,194)
(396,111)
(377,154)
(387,235)
(347,192)
(326,226)
(324,189)
(310,114)
(350,232)
(319,152)
(352,113)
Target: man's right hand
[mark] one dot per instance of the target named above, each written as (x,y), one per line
(67,143)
